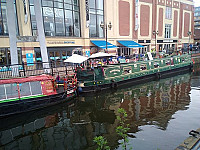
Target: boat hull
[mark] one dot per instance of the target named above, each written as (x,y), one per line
(138,80)
(26,105)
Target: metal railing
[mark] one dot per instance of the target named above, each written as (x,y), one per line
(32,69)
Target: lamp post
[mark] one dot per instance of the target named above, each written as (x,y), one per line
(106,27)
(155,33)
(189,34)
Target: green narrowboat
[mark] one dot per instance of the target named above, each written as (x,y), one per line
(114,75)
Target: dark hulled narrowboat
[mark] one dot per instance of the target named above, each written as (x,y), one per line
(18,95)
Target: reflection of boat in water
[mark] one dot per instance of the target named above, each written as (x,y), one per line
(75,127)
(111,76)
(152,103)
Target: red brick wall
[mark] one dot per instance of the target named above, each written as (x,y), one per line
(161,3)
(135,33)
(176,4)
(169,3)
(186,23)
(160,24)
(124,18)
(154,16)
(144,20)
(192,25)
(175,23)
(146,1)
(180,21)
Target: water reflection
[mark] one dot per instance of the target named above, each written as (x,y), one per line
(74,125)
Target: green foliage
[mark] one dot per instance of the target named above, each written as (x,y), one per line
(123,128)
(101,142)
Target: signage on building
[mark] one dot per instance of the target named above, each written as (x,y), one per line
(29,59)
(87,13)
(136,14)
(60,42)
(167,41)
(87,53)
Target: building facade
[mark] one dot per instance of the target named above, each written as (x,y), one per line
(197,17)
(71,26)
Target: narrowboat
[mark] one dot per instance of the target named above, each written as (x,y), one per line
(114,75)
(22,94)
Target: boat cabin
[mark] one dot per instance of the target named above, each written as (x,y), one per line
(23,88)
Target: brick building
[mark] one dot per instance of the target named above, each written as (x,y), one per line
(79,26)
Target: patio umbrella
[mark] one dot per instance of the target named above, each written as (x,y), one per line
(100,55)
(76,59)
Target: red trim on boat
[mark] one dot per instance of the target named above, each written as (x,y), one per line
(26,79)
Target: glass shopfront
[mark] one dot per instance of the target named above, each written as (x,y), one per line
(5,58)
(58,54)
(3,18)
(61,17)
(96,17)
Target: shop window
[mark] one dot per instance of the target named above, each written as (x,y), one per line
(11,91)
(124,51)
(5,58)
(2,92)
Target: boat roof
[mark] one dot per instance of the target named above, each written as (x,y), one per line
(27,79)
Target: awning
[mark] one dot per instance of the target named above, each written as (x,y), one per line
(130,44)
(102,44)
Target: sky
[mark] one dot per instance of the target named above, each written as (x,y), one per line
(196,3)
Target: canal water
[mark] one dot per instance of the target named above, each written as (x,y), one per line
(160,113)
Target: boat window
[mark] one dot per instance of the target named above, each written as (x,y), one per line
(11,91)
(143,67)
(24,89)
(2,92)
(36,88)
(127,70)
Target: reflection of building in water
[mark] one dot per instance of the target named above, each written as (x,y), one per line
(51,132)
(157,102)
(153,103)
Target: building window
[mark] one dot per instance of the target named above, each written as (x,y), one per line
(168,13)
(96,17)
(3,18)
(167,31)
(5,58)
(61,17)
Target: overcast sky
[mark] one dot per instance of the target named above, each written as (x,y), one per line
(196,3)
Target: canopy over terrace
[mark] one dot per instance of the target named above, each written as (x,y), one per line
(102,44)
(130,44)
